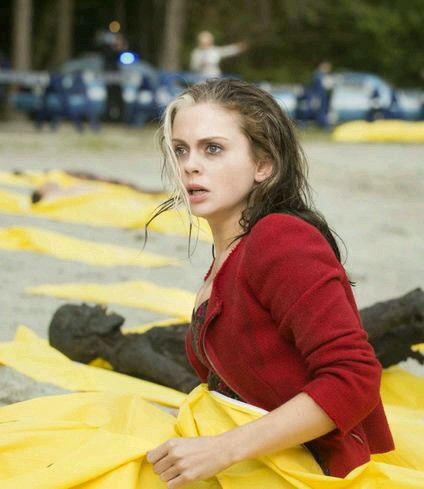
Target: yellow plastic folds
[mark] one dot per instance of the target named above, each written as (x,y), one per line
(35,358)
(12,203)
(106,205)
(34,179)
(133,293)
(69,248)
(395,131)
(99,441)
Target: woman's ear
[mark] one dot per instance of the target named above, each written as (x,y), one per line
(264,169)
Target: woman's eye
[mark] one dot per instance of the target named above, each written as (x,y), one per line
(179,151)
(213,148)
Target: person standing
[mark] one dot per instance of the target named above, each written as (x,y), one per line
(322,87)
(206,57)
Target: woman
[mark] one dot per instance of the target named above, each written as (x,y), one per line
(275,323)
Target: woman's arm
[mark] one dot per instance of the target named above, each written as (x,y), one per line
(183,460)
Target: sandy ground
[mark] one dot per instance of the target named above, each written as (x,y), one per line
(371,194)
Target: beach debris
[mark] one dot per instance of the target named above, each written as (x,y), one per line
(85,333)
(88,333)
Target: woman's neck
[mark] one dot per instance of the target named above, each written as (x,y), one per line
(224,234)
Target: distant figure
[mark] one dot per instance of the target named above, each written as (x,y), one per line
(322,87)
(421,117)
(205,58)
(113,44)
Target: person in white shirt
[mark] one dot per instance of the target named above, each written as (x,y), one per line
(205,58)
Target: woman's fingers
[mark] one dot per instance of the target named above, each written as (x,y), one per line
(171,473)
(159,452)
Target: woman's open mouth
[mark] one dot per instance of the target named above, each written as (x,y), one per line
(197,194)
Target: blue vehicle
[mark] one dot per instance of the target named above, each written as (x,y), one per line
(351,96)
(75,92)
(82,90)
(79,90)
(362,96)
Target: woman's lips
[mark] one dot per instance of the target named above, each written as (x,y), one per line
(197,195)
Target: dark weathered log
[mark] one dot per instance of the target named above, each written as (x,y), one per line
(84,333)
(394,326)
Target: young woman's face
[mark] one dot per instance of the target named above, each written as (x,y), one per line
(216,163)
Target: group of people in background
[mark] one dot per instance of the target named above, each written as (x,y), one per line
(313,101)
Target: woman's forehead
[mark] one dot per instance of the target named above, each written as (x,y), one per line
(203,119)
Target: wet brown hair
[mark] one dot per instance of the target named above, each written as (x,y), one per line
(272,136)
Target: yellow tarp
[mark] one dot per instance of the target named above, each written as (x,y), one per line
(35,358)
(70,248)
(395,131)
(115,206)
(99,440)
(13,203)
(133,293)
(401,388)
(35,179)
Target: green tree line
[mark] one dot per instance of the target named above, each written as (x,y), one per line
(287,38)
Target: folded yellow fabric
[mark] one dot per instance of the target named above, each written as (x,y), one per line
(106,205)
(135,293)
(33,179)
(69,248)
(35,358)
(99,441)
(401,388)
(380,131)
(13,203)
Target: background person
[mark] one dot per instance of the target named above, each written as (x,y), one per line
(322,87)
(206,57)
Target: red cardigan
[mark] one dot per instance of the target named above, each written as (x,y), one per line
(282,319)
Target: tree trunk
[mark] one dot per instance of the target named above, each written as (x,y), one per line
(121,15)
(64,24)
(173,35)
(22,33)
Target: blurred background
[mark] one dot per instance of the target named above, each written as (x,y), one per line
(83,84)
(326,62)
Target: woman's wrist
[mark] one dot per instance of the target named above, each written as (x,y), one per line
(232,448)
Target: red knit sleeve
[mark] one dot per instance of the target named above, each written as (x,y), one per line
(297,277)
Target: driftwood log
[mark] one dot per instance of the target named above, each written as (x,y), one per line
(394,326)
(85,333)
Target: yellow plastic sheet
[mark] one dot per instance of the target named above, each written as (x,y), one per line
(395,131)
(69,248)
(34,179)
(107,205)
(13,203)
(401,388)
(418,347)
(99,440)
(35,358)
(133,293)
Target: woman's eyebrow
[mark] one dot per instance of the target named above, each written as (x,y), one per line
(201,141)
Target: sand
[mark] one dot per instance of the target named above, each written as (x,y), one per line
(371,194)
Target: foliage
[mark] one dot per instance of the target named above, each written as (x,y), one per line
(287,38)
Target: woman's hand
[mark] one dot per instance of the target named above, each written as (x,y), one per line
(182,460)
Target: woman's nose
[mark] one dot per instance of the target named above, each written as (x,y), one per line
(192,163)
